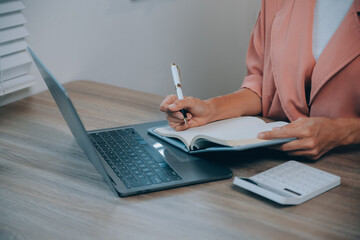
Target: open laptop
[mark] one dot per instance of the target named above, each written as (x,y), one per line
(130,160)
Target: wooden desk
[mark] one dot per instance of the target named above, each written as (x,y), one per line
(49,190)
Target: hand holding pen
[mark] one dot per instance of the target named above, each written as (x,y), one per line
(196,112)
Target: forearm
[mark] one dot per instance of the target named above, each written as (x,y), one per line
(240,103)
(349,129)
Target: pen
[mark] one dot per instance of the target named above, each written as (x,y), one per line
(177,82)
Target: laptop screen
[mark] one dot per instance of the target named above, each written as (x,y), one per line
(71,117)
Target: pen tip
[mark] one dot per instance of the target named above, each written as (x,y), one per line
(186,124)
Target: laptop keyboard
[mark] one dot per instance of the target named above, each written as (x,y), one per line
(127,154)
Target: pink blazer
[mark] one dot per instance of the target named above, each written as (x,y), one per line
(280,62)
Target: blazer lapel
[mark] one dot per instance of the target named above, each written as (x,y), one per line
(291,55)
(342,48)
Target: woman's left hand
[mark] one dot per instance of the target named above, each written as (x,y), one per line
(314,136)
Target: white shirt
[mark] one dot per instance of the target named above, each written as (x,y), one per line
(328,15)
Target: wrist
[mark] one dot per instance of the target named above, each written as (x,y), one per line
(213,110)
(236,104)
(350,130)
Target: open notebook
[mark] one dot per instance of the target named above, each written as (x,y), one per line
(226,135)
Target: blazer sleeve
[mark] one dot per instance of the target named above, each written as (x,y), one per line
(255,56)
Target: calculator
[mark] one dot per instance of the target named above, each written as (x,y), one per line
(290,183)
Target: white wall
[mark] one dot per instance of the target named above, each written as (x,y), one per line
(131,43)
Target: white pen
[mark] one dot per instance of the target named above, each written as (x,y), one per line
(177,82)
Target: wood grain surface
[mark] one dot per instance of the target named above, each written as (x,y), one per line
(49,190)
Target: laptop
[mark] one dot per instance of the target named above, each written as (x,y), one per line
(129,159)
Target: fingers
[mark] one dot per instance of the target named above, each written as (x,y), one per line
(187,103)
(171,109)
(179,124)
(176,121)
(171,104)
(175,117)
(291,130)
(179,118)
(315,136)
(168,100)
(308,147)
(310,154)
(306,143)
(299,145)
(275,134)
(197,112)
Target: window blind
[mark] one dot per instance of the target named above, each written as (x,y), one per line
(15,62)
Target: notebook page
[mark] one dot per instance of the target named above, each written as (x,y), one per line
(229,128)
(242,130)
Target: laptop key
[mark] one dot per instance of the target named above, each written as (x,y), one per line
(130,165)
(127,185)
(155,179)
(142,142)
(121,177)
(133,168)
(149,174)
(145,181)
(162,175)
(138,162)
(117,163)
(124,171)
(153,166)
(173,175)
(135,184)
(130,179)
(146,169)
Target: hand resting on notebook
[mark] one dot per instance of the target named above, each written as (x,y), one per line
(315,135)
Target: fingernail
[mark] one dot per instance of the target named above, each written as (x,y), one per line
(179,115)
(261,135)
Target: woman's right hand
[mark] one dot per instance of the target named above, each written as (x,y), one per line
(199,112)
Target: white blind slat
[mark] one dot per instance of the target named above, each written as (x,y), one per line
(14,65)
(11,20)
(10,34)
(16,84)
(12,47)
(14,60)
(11,6)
